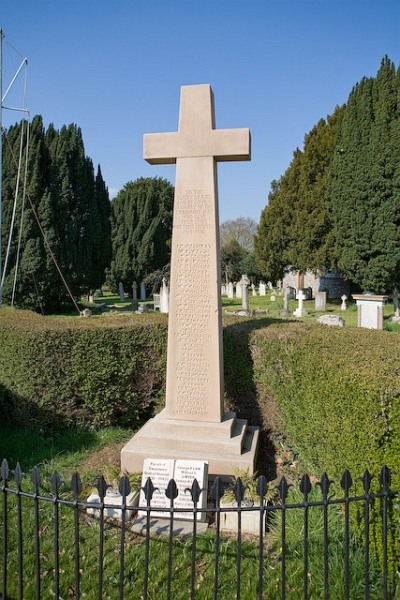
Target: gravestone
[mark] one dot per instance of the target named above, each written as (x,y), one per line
(343,306)
(396,307)
(253,289)
(164,297)
(244,282)
(285,311)
(134,296)
(370,310)
(223,290)
(238,289)
(156,302)
(142,291)
(299,311)
(230,289)
(320,301)
(262,289)
(193,425)
(121,292)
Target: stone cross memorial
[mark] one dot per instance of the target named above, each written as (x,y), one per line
(193,423)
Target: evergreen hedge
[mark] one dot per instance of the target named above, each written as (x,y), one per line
(80,371)
(335,393)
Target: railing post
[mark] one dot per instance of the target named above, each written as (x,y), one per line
(5,473)
(76,486)
(346,483)
(35,478)
(18,474)
(305,488)
(366,479)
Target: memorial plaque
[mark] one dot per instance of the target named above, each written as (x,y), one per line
(184,472)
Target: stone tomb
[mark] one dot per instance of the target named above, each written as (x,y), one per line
(193,425)
(370,310)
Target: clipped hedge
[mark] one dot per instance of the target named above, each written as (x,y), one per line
(336,394)
(80,371)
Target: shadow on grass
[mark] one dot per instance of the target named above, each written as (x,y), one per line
(31,435)
(240,385)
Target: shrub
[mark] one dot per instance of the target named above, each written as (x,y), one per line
(81,371)
(338,395)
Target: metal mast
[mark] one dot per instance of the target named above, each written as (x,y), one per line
(23,110)
(1,149)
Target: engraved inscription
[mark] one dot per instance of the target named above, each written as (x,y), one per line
(193,212)
(193,306)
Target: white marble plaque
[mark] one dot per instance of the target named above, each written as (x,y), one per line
(184,472)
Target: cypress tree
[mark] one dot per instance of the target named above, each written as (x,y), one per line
(141,221)
(73,209)
(364,191)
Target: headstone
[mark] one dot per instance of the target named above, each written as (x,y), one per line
(223,290)
(331,320)
(142,291)
(230,289)
(91,298)
(320,301)
(164,297)
(253,289)
(396,307)
(156,301)
(370,310)
(270,286)
(193,424)
(184,472)
(299,311)
(343,306)
(273,298)
(134,296)
(121,292)
(286,304)
(238,289)
(244,282)
(292,293)
(262,289)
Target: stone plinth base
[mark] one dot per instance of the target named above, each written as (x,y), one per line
(228,445)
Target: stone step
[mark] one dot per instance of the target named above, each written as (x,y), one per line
(221,460)
(183,440)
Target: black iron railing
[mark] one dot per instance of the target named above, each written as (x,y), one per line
(305,543)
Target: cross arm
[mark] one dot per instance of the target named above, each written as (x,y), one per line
(222,144)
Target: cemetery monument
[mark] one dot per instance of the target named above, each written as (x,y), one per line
(193,425)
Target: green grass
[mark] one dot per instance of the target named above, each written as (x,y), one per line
(275,309)
(180,560)
(69,450)
(62,449)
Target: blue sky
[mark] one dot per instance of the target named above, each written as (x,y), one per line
(115,69)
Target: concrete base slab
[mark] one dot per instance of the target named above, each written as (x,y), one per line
(229,445)
(162,527)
